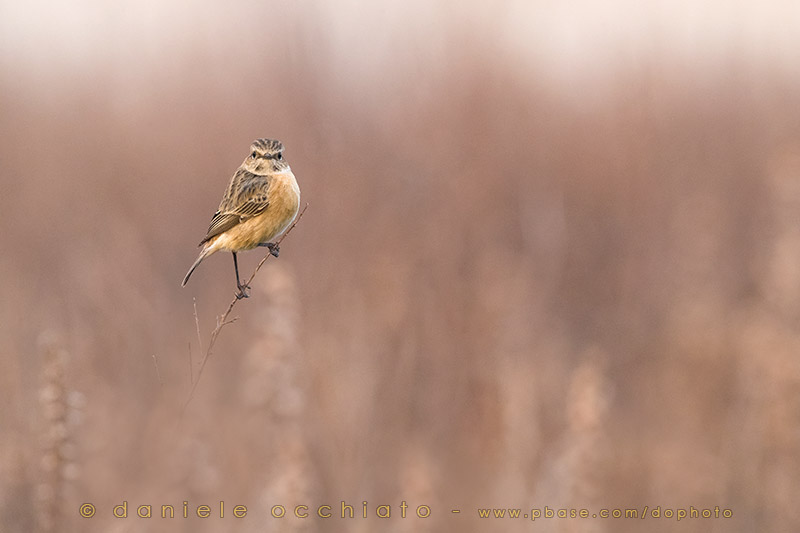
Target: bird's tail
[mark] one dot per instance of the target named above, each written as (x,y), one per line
(203,254)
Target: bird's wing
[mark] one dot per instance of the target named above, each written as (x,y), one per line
(241,203)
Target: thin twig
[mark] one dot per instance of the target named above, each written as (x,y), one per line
(223,319)
(191,366)
(197,325)
(158,372)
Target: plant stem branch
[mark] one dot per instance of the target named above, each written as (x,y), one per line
(222,321)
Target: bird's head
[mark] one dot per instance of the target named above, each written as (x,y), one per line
(266,157)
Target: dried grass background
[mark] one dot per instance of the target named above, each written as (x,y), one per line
(551,258)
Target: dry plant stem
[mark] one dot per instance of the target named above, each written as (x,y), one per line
(158,372)
(197,325)
(199,342)
(191,365)
(223,320)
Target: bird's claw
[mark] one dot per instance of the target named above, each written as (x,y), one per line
(274,249)
(242,292)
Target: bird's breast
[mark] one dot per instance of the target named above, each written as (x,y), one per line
(283,196)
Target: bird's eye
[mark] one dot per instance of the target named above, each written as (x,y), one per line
(279,156)
(254,155)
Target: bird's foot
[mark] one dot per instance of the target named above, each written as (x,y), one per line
(242,292)
(274,249)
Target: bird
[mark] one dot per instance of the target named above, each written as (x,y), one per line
(260,203)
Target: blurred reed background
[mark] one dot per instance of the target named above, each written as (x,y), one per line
(551,258)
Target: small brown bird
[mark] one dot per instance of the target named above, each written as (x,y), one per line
(260,203)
